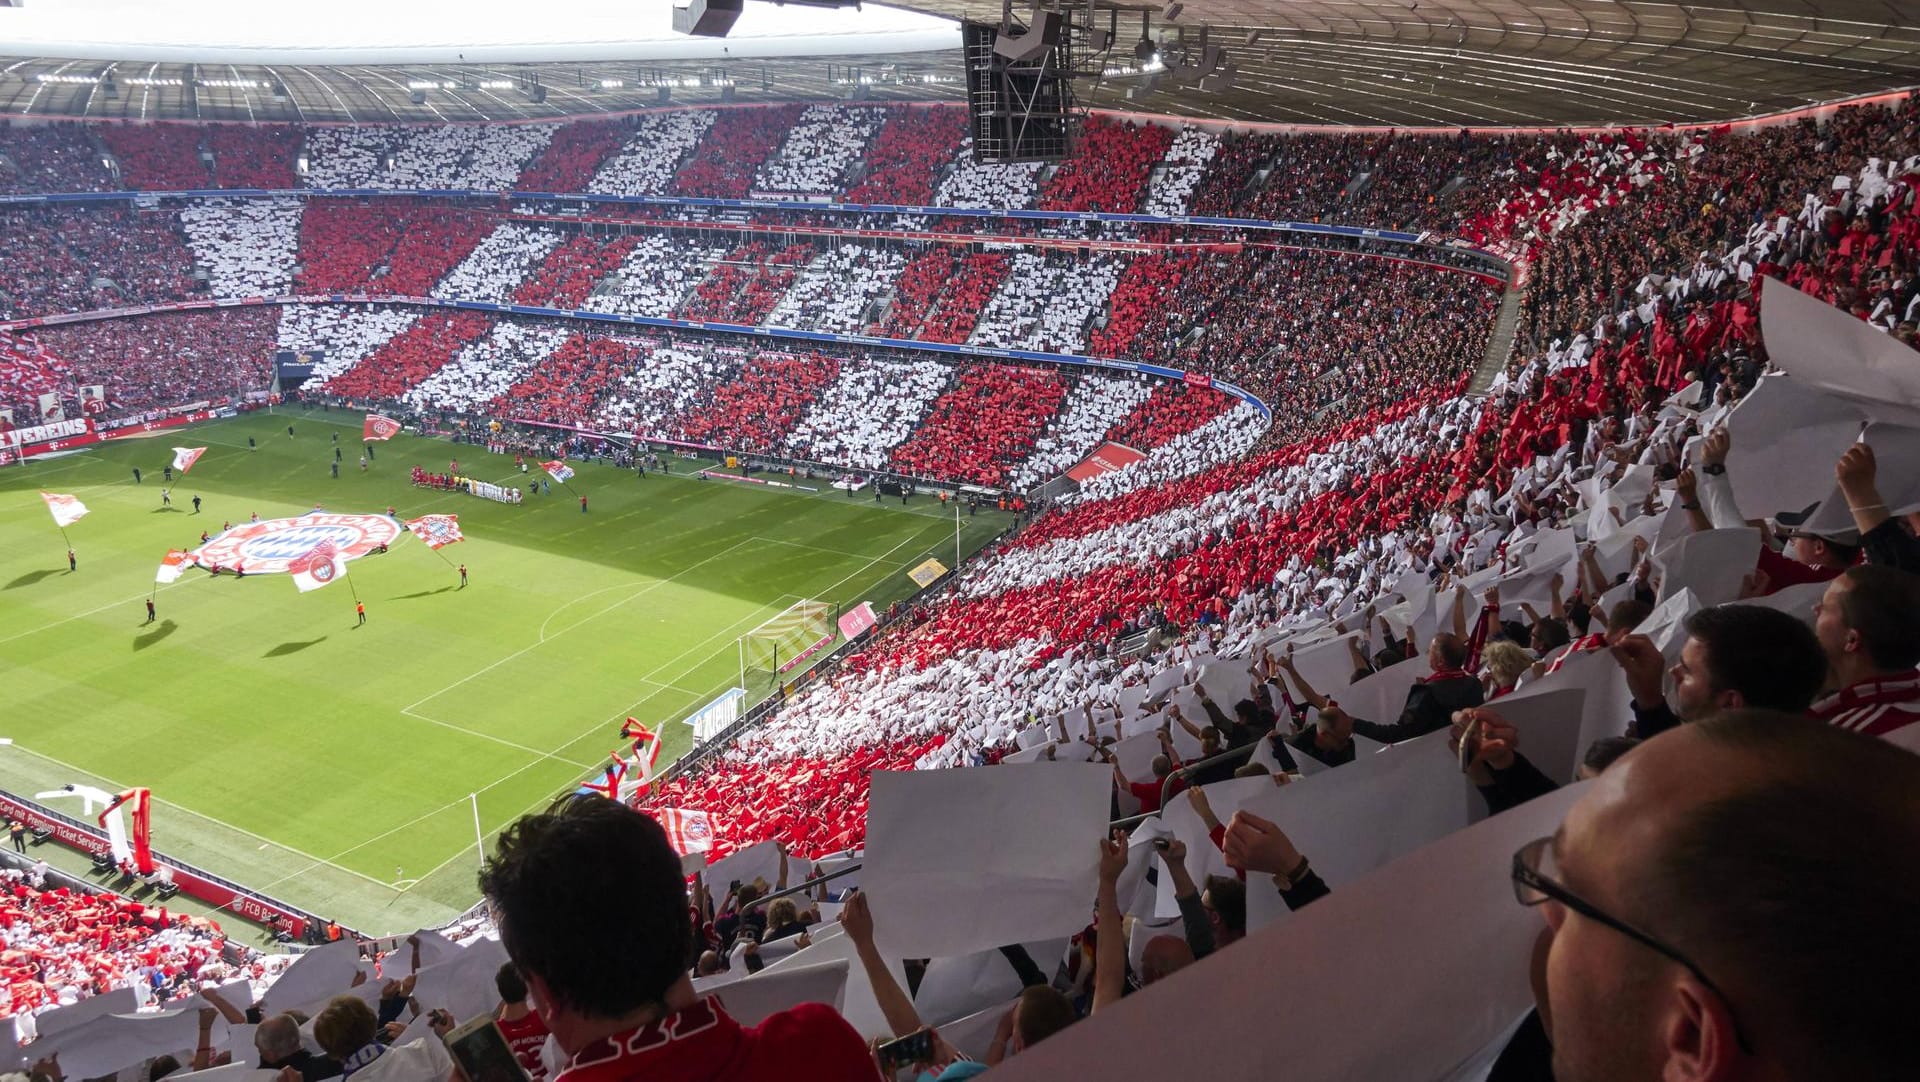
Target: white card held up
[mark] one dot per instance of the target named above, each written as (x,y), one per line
(1828,348)
(1467,933)
(963,860)
(321,972)
(1711,564)
(770,991)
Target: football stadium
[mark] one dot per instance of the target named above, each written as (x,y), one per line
(749,539)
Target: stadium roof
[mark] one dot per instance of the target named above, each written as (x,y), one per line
(1359,62)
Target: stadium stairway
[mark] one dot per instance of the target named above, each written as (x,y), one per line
(1499,342)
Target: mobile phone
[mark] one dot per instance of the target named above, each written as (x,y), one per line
(1161,844)
(482,1052)
(915,1047)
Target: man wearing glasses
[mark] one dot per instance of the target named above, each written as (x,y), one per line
(1734,900)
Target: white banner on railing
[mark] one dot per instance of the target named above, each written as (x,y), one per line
(713,719)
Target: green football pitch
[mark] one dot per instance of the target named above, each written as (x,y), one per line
(330,764)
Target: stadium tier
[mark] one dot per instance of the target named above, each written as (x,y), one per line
(1028,550)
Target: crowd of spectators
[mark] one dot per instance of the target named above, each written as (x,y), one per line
(248,247)
(497,267)
(906,159)
(157,157)
(342,334)
(28,371)
(821,149)
(1108,169)
(410,357)
(759,403)
(746,284)
(483,157)
(657,275)
(398,247)
(940,295)
(724,164)
(1171,411)
(487,367)
(1096,405)
(1183,168)
(651,157)
(60,157)
(1422,482)
(60,259)
(573,156)
(571,271)
(562,388)
(59,945)
(858,419)
(666,381)
(254,155)
(1045,302)
(1148,285)
(157,361)
(838,290)
(998,185)
(985,424)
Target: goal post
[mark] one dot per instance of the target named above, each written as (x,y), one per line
(787,640)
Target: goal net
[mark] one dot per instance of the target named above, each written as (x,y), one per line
(789,638)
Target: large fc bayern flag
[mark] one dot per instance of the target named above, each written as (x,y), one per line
(376,427)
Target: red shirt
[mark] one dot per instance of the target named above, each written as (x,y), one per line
(525,1036)
(1148,792)
(1874,707)
(702,1044)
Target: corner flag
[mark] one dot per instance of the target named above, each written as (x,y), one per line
(558,470)
(185,457)
(319,567)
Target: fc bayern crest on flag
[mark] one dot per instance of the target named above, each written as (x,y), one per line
(436,531)
(274,546)
(376,427)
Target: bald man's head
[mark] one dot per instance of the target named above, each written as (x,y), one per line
(1768,850)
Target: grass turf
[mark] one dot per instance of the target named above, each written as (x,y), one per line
(330,764)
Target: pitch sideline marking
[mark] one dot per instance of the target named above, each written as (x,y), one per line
(869,565)
(644,589)
(82,772)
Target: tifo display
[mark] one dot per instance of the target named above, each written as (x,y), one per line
(923,616)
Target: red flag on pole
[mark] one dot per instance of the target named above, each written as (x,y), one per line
(687,831)
(436,531)
(66,510)
(376,427)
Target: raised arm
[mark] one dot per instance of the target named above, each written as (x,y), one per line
(1305,690)
(1193,915)
(1192,729)
(1687,487)
(1110,954)
(1885,544)
(1357,654)
(1460,600)
(894,1002)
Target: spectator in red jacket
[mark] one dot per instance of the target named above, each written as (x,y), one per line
(592,909)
